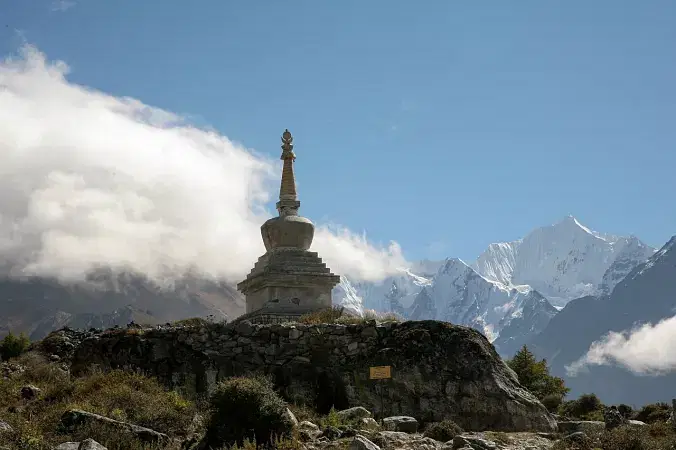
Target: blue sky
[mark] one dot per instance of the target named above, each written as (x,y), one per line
(442,125)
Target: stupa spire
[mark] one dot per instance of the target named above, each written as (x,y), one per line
(288,203)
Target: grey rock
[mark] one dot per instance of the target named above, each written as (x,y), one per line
(361,443)
(636,423)
(91,444)
(348,432)
(29,392)
(404,424)
(356,413)
(332,433)
(307,425)
(613,418)
(68,446)
(578,437)
(309,430)
(369,423)
(460,442)
(474,442)
(405,441)
(5,427)
(290,417)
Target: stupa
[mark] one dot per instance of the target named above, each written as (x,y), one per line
(288,281)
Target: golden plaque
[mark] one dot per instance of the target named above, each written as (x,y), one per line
(380,372)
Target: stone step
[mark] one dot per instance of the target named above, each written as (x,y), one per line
(315,264)
(292,269)
(297,259)
(284,269)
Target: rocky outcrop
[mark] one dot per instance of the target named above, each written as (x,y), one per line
(439,371)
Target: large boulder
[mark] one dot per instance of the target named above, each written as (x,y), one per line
(353,414)
(439,371)
(400,423)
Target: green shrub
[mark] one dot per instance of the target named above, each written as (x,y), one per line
(332,419)
(654,412)
(191,322)
(586,407)
(13,346)
(246,408)
(552,402)
(626,411)
(442,431)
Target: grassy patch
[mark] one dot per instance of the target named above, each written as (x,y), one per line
(125,396)
(192,322)
(656,436)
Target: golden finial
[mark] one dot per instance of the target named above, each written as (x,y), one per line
(287,145)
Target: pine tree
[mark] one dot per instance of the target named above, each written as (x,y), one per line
(13,346)
(534,375)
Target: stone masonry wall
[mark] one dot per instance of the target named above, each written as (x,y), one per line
(439,371)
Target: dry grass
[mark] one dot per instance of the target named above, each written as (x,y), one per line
(337,314)
(442,431)
(192,322)
(656,436)
(125,396)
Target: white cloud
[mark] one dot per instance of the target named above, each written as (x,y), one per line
(645,350)
(91,180)
(62,5)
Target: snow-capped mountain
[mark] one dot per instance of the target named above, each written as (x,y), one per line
(511,290)
(460,295)
(631,252)
(395,293)
(563,261)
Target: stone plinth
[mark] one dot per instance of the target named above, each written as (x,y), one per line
(439,371)
(288,282)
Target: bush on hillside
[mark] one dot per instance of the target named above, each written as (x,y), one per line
(13,346)
(626,411)
(586,407)
(552,402)
(442,431)
(654,412)
(246,408)
(534,375)
(651,437)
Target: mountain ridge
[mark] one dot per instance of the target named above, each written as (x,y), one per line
(592,317)
(558,262)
